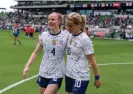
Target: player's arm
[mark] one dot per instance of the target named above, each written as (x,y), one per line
(32,58)
(93,64)
(89,51)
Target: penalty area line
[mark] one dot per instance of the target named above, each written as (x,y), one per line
(22,81)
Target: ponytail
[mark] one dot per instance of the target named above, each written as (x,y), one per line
(83,17)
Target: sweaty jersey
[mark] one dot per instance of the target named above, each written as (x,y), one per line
(78,47)
(52,65)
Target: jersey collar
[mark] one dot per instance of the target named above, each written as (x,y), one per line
(55,34)
(77,34)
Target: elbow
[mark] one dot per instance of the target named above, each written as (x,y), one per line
(34,53)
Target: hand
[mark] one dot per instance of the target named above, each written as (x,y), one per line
(25,72)
(97,83)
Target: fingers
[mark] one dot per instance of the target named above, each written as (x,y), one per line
(98,86)
(97,83)
(25,74)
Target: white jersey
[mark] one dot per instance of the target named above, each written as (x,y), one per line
(52,65)
(78,47)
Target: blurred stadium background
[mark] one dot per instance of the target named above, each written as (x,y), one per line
(109,24)
(112,19)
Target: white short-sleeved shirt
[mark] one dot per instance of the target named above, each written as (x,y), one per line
(52,65)
(78,47)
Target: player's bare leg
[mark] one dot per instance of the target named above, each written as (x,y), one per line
(42,90)
(14,40)
(19,41)
(51,89)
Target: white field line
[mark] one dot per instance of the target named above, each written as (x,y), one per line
(106,64)
(22,81)
(17,83)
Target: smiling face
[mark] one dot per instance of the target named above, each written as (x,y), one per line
(54,21)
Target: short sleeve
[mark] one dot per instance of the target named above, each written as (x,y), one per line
(88,46)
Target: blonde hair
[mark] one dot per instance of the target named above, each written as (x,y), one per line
(77,19)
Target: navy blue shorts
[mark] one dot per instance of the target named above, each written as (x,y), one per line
(75,86)
(44,82)
(16,35)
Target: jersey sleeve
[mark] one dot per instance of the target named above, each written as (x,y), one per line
(88,46)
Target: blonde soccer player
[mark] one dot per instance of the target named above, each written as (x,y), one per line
(79,52)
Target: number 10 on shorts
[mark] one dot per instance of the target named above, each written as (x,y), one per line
(77,83)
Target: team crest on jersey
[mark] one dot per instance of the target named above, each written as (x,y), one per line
(70,42)
(54,42)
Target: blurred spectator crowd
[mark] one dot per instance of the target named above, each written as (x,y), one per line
(93,21)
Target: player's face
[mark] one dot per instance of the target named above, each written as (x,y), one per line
(53,21)
(70,26)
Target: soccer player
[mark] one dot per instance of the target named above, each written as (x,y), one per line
(16,34)
(79,52)
(31,31)
(52,66)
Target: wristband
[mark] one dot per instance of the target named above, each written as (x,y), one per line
(97,77)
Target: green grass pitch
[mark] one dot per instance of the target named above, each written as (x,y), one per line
(116,79)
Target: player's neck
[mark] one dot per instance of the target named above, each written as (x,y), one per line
(76,32)
(55,31)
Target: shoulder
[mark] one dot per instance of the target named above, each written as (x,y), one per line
(65,32)
(44,33)
(85,39)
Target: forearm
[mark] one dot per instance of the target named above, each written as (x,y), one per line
(94,68)
(92,60)
(34,54)
(31,59)
(93,64)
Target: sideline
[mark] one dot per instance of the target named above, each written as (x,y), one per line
(22,81)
